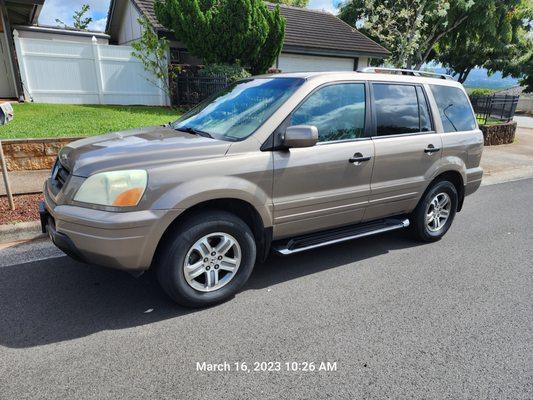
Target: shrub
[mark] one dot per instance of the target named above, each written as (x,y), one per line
(226,31)
(232,72)
(478,92)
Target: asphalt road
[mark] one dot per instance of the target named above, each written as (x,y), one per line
(401,320)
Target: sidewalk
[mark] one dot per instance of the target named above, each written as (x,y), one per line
(509,162)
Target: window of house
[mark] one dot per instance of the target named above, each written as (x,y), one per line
(454,108)
(338,111)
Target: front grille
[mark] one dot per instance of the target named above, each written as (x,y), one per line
(59,176)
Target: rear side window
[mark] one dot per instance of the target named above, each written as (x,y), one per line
(338,111)
(454,108)
(400,109)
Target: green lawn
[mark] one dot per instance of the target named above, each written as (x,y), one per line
(490,121)
(53,120)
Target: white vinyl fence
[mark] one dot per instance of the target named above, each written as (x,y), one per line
(56,71)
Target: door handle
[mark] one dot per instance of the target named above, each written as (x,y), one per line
(358,158)
(431,149)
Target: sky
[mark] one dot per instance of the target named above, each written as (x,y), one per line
(63,10)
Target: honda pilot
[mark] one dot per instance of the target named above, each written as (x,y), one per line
(284,163)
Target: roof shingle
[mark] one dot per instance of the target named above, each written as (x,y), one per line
(306,28)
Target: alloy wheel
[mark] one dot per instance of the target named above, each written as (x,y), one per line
(438,211)
(212,262)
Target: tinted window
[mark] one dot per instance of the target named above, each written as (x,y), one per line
(454,108)
(396,108)
(237,111)
(338,111)
(425,119)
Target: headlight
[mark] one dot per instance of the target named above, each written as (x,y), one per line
(115,188)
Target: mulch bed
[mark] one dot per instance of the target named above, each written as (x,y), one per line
(26,209)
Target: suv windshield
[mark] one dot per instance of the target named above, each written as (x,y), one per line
(237,111)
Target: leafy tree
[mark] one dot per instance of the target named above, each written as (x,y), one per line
(80,21)
(294,3)
(153,50)
(527,80)
(411,29)
(240,32)
(499,43)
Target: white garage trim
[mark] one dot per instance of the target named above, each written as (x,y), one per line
(305,63)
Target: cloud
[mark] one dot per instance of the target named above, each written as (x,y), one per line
(64,10)
(98,25)
(326,5)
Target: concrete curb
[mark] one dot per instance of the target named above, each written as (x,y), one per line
(516,174)
(21,231)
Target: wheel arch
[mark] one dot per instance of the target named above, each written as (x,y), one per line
(456,178)
(241,208)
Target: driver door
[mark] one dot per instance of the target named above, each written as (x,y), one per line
(327,185)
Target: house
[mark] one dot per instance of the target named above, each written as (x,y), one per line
(21,16)
(314,40)
(13,12)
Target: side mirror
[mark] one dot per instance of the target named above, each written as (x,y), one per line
(6,113)
(300,136)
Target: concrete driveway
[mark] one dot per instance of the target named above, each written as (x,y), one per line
(510,161)
(451,320)
(524,120)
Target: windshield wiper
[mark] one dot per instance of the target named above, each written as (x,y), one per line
(194,131)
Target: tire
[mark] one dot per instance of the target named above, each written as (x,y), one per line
(185,253)
(426,229)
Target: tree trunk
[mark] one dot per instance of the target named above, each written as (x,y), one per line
(464,75)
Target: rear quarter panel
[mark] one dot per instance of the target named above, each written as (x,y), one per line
(461,150)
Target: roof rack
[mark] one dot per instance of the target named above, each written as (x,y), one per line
(412,72)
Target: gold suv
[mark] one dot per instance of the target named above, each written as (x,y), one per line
(289,163)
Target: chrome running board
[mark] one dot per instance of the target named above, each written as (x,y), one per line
(321,239)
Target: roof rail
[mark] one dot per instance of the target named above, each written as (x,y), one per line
(412,72)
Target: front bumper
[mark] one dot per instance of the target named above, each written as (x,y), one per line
(126,240)
(61,241)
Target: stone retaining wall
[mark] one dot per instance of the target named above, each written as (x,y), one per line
(498,134)
(33,154)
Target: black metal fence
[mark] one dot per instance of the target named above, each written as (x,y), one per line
(194,89)
(494,107)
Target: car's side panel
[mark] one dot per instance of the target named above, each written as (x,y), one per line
(465,146)
(318,188)
(461,151)
(243,175)
(400,173)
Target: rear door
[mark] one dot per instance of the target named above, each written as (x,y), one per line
(406,147)
(461,138)
(326,185)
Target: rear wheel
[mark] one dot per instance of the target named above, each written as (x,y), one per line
(207,260)
(435,213)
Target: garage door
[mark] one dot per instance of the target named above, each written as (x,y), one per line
(302,63)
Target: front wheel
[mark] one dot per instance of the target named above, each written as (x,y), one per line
(435,213)
(207,260)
